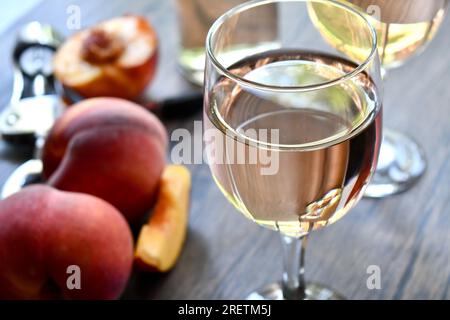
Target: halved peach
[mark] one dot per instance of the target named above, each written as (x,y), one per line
(116,58)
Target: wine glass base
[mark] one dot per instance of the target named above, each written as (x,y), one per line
(314,291)
(400,165)
(194,77)
(28,173)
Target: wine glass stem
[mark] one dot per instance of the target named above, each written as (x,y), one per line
(38,145)
(293,282)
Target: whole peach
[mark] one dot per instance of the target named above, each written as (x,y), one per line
(46,236)
(109,148)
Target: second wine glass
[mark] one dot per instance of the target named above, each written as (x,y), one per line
(404,28)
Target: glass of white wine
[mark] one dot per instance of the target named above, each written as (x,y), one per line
(292,133)
(404,28)
(195,17)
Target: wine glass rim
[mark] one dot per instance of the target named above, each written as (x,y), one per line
(361,67)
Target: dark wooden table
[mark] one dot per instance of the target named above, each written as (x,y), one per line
(226,256)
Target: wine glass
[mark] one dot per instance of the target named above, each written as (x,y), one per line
(292,133)
(404,28)
(195,18)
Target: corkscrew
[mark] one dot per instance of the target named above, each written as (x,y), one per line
(35,102)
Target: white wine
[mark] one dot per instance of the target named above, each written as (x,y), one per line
(192,63)
(326,147)
(192,60)
(195,17)
(402,30)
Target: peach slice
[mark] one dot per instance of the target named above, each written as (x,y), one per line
(161,239)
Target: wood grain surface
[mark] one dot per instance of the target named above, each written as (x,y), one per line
(226,256)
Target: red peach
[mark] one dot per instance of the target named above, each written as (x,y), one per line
(44,231)
(109,148)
